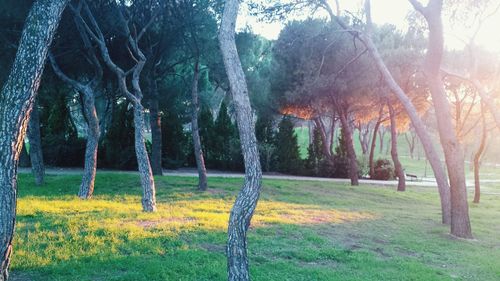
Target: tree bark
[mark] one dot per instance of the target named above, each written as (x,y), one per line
(398,168)
(145,171)
(349,144)
(460,223)
(246,201)
(16,101)
(374,142)
(198,152)
(324,141)
(93,133)
(477,159)
(155,123)
(36,153)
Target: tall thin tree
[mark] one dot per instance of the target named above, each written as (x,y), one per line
(246,201)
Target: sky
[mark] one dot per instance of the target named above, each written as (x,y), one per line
(393,12)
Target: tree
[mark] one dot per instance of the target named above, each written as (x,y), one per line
(246,201)
(287,148)
(460,223)
(398,168)
(134,95)
(88,92)
(16,100)
(36,154)
(478,155)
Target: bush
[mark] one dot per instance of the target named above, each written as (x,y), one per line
(383,170)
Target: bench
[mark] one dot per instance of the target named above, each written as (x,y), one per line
(412,177)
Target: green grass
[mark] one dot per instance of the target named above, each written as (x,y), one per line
(300,231)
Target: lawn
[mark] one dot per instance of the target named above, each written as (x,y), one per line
(301,231)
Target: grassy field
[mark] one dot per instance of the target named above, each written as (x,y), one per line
(301,231)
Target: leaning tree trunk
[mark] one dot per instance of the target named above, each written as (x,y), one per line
(145,172)
(430,151)
(374,142)
(349,144)
(155,123)
(477,159)
(93,133)
(16,101)
(246,201)
(418,124)
(36,154)
(198,152)
(394,151)
(460,222)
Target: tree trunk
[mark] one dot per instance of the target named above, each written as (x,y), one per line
(477,159)
(36,154)
(374,142)
(349,143)
(381,139)
(246,201)
(398,168)
(198,152)
(155,123)
(16,100)
(93,133)
(425,139)
(324,140)
(145,172)
(411,143)
(24,158)
(460,223)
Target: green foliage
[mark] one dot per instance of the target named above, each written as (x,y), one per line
(220,140)
(383,170)
(117,149)
(317,164)
(265,134)
(61,145)
(175,142)
(341,160)
(287,148)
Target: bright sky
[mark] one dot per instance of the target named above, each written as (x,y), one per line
(393,12)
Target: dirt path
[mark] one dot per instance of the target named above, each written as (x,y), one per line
(187,172)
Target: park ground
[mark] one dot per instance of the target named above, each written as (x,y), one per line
(302,230)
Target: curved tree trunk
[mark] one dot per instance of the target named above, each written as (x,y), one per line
(477,159)
(145,172)
(374,142)
(460,222)
(198,152)
(36,153)
(398,168)
(16,100)
(93,133)
(155,123)
(246,201)
(349,143)
(425,139)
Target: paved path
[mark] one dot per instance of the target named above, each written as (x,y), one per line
(186,172)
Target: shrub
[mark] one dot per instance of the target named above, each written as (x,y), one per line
(383,170)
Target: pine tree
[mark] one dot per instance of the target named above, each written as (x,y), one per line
(287,148)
